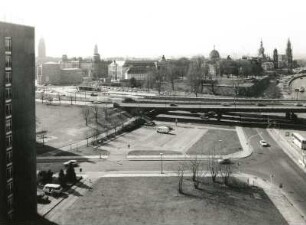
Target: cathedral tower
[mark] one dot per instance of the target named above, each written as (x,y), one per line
(289,55)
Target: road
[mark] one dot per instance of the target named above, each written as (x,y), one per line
(229,107)
(272,164)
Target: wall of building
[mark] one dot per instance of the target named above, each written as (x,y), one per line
(23,121)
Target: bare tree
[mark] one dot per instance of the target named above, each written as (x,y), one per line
(180,174)
(59,97)
(49,99)
(86,114)
(42,97)
(96,112)
(213,165)
(195,75)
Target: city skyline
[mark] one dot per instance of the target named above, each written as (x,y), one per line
(153,28)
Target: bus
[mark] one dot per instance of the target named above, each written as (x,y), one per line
(299,140)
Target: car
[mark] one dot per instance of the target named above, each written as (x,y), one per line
(298,104)
(173,104)
(42,197)
(226,104)
(71,162)
(225,161)
(96,102)
(149,123)
(93,94)
(263,143)
(210,113)
(53,189)
(260,104)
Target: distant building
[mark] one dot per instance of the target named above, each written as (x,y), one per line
(116,70)
(214,63)
(41,49)
(93,68)
(267,66)
(17,123)
(53,73)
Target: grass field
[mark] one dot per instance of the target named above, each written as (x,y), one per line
(135,200)
(209,142)
(63,123)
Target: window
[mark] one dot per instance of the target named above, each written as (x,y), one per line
(9,157)
(9,172)
(8,93)
(9,188)
(8,125)
(8,61)
(8,141)
(10,203)
(8,109)
(8,77)
(8,44)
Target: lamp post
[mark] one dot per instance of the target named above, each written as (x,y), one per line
(161,163)
(220,141)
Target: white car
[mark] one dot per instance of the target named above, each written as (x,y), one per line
(263,143)
(72,162)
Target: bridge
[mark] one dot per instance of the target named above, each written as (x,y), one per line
(219,109)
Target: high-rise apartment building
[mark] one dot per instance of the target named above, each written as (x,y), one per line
(17,122)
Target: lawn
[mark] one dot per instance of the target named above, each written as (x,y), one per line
(210,142)
(64,124)
(140,200)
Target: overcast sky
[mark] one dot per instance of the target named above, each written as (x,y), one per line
(151,28)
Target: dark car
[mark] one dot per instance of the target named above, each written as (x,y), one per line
(260,104)
(149,123)
(42,197)
(93,94)
(173,104)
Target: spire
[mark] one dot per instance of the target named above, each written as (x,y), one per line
(41,48)
(261,50)
(96,49)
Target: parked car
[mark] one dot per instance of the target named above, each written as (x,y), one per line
(71,162)
(225,161)
(298,104)
(149,123)
(93,94)
(226,104)
(42,197)
(260,104)
(263,143)
(163,129)
(53,189)
(173,104)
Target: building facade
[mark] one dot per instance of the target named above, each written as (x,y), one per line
(17,122)
(53,73)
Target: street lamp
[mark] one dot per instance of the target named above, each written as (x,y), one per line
(220,141)
(161,163)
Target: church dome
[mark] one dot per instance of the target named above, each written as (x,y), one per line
(214,54)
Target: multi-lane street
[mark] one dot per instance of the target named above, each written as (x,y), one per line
(272,164)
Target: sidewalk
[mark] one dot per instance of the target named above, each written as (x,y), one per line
(290,213)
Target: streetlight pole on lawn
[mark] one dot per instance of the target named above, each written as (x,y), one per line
(161,163)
